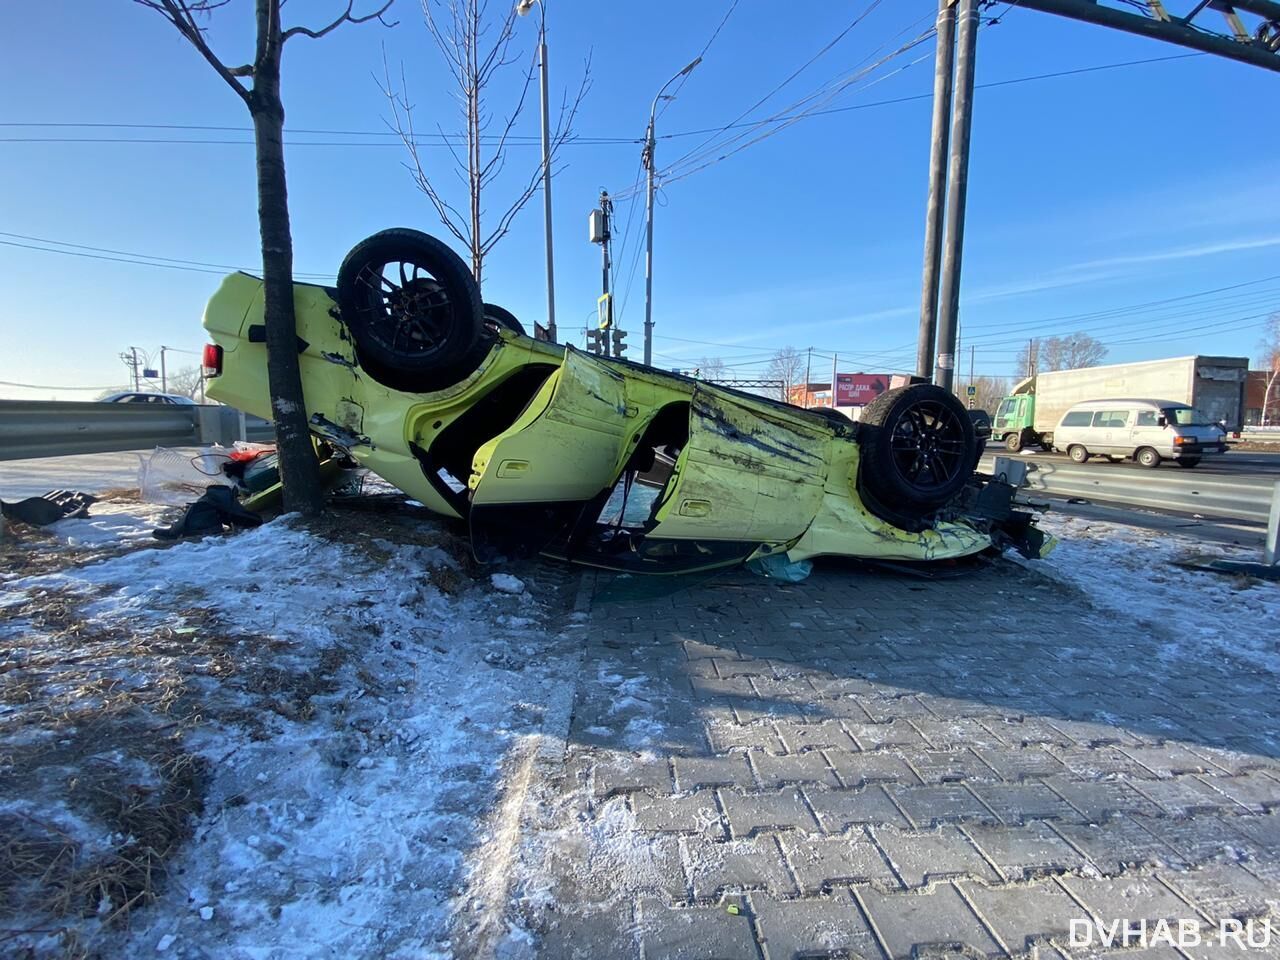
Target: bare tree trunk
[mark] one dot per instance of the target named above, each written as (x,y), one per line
(298,468)
(303,492)
(473,139)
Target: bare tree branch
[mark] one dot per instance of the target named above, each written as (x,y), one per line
(476,48)
(182,14)
(346,17)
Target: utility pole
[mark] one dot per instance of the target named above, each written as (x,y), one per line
(130,360)
(648,158)
(164,379)
(606,255)
(943,65)
(808,369)
(834,356)
(599,229)
(957,190)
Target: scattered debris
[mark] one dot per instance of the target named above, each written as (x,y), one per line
(49,507)
(216,509)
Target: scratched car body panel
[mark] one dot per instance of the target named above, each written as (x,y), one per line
(542,447)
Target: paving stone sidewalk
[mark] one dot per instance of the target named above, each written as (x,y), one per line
(873,765)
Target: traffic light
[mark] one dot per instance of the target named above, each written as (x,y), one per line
(597,341)
(619,342)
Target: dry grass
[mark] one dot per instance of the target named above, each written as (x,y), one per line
(92,724)
(360,522)
(99,789)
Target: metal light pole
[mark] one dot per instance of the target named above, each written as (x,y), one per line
(944,60)
(523,8)
(648,211)
(957,190)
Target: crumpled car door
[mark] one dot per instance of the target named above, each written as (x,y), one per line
(562,452)
(750,475)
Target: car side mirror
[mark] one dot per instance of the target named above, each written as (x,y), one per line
(1162,422)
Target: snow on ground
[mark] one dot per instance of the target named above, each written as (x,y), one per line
(354,717)
(112,523)
(1130,571)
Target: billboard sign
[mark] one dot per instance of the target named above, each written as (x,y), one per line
(859,389)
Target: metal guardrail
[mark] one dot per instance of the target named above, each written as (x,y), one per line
(30,429)
(1210,495)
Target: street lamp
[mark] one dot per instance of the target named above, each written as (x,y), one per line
(523,8)
(648,252)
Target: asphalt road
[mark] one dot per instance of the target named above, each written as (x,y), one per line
(1234,462)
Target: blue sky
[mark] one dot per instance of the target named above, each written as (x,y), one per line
(1088,193)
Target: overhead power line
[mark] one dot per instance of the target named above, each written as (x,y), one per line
(438,140)
(140,259)
(50,386)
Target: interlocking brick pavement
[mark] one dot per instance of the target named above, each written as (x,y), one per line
(873,766)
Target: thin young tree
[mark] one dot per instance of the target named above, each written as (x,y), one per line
(1271,364)
(477,47)
(788,366)
(257,84)
(712,368)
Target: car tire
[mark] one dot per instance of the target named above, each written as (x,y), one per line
(1188,462)
(500,316)
(918,448)
(1147,457)
(411,332)
(1013,442)
(1078,453)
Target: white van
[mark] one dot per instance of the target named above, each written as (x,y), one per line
(1149,431)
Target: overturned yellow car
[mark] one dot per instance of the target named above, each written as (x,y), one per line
(543,448)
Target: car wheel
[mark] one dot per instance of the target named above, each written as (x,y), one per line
(1077,453)
(412,307)
(1148,457)
(918,447)
(501,317)
(1013,441)
(1188,461)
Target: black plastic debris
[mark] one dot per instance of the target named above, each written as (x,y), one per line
(49,508)
(214,511)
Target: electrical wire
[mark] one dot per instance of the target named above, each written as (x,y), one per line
(140,259)
(47,386)
(706,47)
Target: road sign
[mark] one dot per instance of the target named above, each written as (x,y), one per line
(970,391)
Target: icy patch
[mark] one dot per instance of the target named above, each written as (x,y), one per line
(506,583)
(111,524)
(1130,571)
(345,825)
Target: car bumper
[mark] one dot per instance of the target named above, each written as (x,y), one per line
(1198,450)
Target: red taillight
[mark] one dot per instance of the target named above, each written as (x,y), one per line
(211,360)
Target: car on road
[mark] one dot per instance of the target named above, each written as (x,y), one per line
(1148,431)
(538,446)
(145,396)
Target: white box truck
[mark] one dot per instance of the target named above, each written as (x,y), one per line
(1212,385)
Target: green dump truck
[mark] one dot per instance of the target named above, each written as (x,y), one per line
(1213,385)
